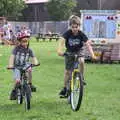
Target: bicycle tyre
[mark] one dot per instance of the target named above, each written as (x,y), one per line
(19,96)
(76,105)
(27,97)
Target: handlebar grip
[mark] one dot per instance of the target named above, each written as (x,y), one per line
(10,68)
(38,64)
(35,65)
(65,54)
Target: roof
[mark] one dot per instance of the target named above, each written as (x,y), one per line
(35,1)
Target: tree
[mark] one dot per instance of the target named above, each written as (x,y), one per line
(60,9)
(11,7)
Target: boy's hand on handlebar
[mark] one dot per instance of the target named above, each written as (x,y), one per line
(94,57)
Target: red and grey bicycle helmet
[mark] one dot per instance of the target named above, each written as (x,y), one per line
(22,35)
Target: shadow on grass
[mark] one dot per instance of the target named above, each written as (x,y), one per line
(51,105)
(9,107)
(54,109)
(43,108)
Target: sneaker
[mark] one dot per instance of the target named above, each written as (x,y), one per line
(13,95)
(33,88)
(84,83)
(63,93)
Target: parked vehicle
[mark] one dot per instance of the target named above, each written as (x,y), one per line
(103,29)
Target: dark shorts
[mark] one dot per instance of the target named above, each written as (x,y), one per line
(69,60)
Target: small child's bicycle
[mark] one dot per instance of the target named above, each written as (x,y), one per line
(75,84)
(23,89)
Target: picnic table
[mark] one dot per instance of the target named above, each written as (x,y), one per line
(47,36)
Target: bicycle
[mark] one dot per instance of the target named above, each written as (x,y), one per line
(75,84)
(23,89)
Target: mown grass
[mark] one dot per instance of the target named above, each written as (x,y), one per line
(101,99)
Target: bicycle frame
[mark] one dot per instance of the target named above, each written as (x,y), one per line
(23,81)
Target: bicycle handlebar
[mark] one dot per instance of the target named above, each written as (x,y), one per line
(31,65)
(10,68)
(72,54)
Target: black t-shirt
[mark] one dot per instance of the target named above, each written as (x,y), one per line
(22,55)
(74,43)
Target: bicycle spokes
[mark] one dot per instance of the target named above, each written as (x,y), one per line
(76,91)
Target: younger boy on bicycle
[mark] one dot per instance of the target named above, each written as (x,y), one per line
(73,40)
(19,58)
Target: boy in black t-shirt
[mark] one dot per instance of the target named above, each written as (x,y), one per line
(19,58)
(73,40)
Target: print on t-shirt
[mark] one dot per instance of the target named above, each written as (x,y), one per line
(73,42)
(21,58)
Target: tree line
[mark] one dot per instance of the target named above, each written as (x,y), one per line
(57,9)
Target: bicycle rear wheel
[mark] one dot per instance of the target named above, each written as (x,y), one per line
(76,90)
(27,97)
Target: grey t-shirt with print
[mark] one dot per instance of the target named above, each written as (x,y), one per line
(22,55)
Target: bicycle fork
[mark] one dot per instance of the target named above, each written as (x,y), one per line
(72,80)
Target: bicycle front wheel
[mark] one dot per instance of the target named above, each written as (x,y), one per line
(76,90)
(19,96)
(27,97)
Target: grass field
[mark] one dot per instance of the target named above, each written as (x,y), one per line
(101,99)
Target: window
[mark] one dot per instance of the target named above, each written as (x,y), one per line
(99,27)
